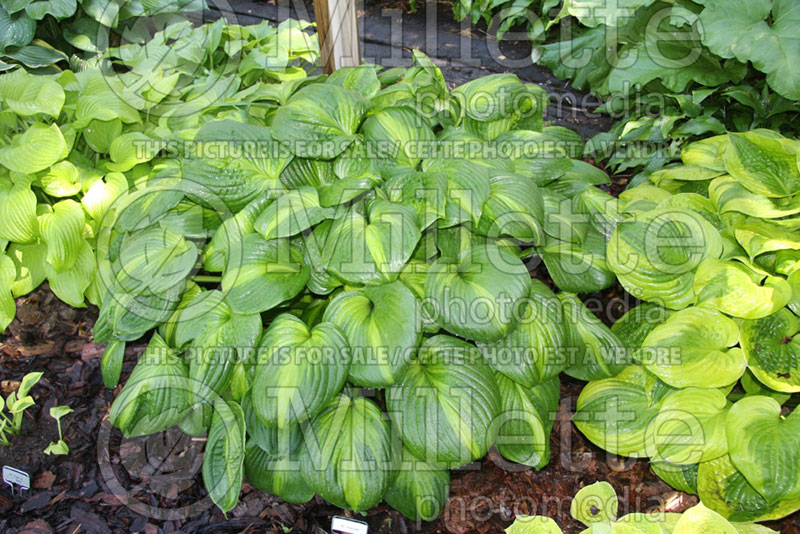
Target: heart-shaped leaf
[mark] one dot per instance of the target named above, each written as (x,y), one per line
(773,353)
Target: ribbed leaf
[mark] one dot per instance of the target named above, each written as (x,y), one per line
(223,461)
(773,351)
(35,149)
(276,474)
(420,490)
(7,306)
(291,213)
(18,212)
(398,136)
(62,232)
(733,288)
(514,208)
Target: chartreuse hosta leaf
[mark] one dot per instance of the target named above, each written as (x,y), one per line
(382,327)
(373,248)
(759,237)
(656,254)
(615,413)
(526,419)
(399,136)
(764,164)
(633,327)
(595,503)
(474,295)
(298,370)
(261,274)
(319,121)
(18,211)
(701,519)
(35,149)
(692,348)
(27,94)
(102,194)
(7,306)
(420,489)
(533,524)
(71,285)
(600,353)
(352,459)
(446,404)
(730,195)
(538,347)
(291,213)
(765,447)
(735,289)
(223,461)
(773,351)
(156,396)
(62,231)
(216,338)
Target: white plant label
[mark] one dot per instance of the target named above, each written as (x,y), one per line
(348,526)
(15,477)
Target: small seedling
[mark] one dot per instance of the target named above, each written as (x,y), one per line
(16,403)
(59,447)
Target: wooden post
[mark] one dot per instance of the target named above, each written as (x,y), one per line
(337,26)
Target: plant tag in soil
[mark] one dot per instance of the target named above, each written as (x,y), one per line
(15,477)
(348,526)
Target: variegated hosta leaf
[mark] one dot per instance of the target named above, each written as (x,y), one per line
(475,295)
(278,474)
(446,404)
(274,440)
(291,213)
(690,428)
(62,231)
(681,477)
(18,212)
(230,232)
(319,121)
(127,316)
(526,419)
(420,489)
(383,330)
(156,396)
(760,237)
(223,461)
(633,327)
(600,353)
(261,274)
(538,347)
(655,254)
(8,307)
(615,413)
(765,447)
(773,351)
(578,267)
(763,164)
(730,196)
(467,189)
(426,192)
(216,338)
(733,288)
(299,369)
(514,208)
(398,136)
(372,249)
(725,490)
(111,363)
(692,348)
(493,104)
(355,172)
(351,460)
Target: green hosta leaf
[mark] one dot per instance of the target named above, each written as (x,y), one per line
(773,353)
(71,284)
(730,196)
(493,97)
(156,396)
(290,214)
(382,328)
(101,99)
(37,54)
(278,474)
(690,428)
(18,212)
(59,9)
(215,336)
(681,477)
(514,208)
(17,29)
(274,440)
(633,327)
(262,274)
(474,296)
(578,267)
(319,121)
(100,134)
(595,503)
(7,306)
(538,347)
(655,255)
(352,463)
(29,261)
(763,164)
(765,447)
(446,404)
(426,192)
(399,136)
(127,316)
(775,53)
(26,94)
(62,232)
(35,149)
(231,232)
(692,349)
(533,524)
(300,369)
(153,260)
(420,489)
(600,352)
(526,419)
(362,80)
(615,413)
(111,363)
(733,288)
(223,461)
(373,249)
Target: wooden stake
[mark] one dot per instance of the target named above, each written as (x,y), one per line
(337,26)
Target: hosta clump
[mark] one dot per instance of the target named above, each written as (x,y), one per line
(713,245)
(351,285)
